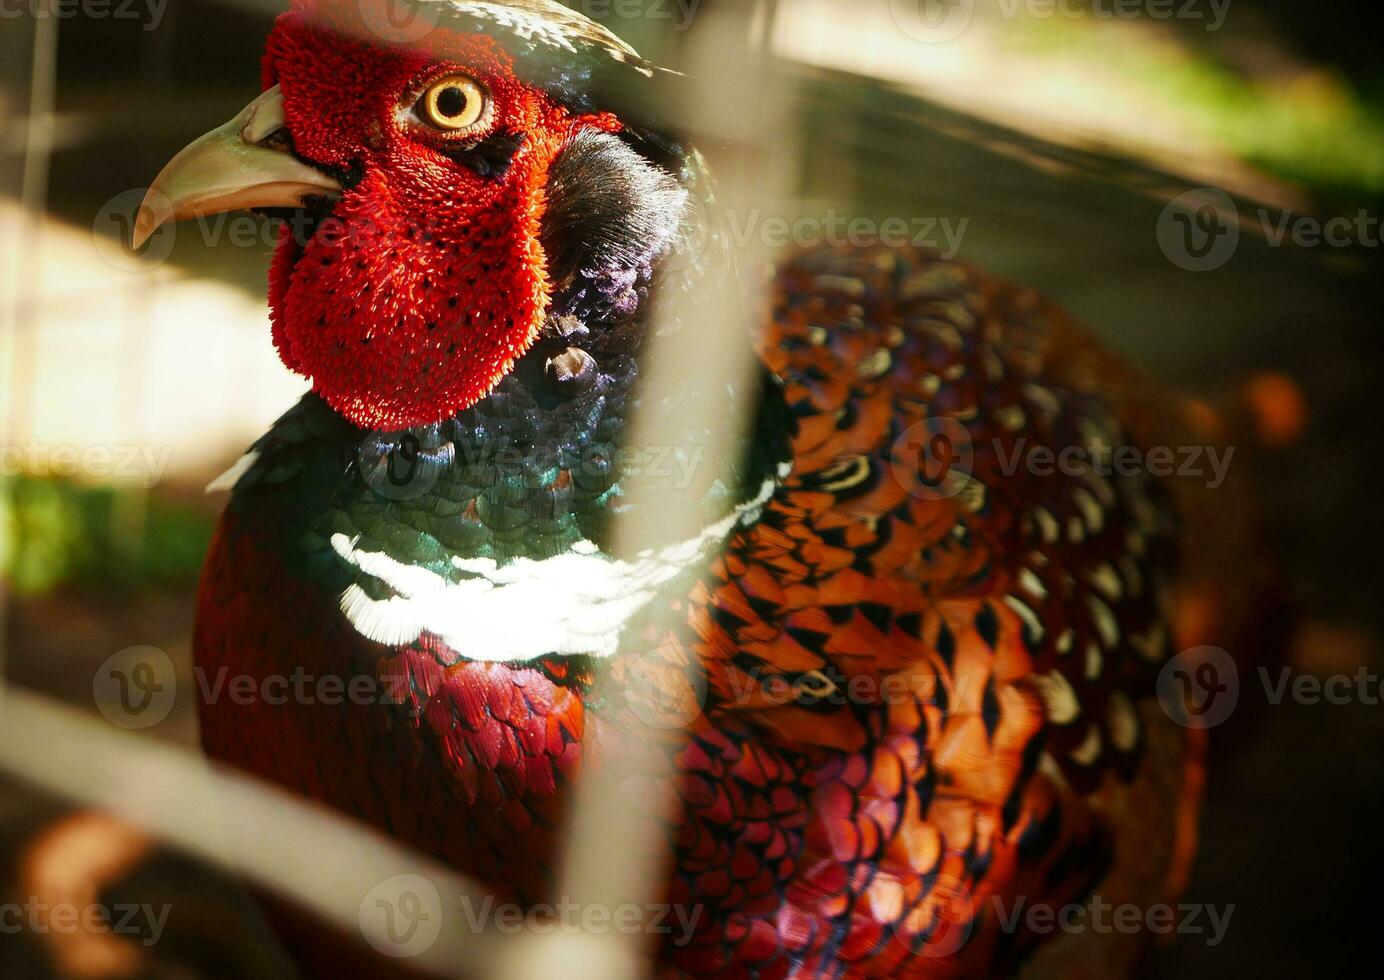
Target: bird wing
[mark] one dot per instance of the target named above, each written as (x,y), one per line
(960,632)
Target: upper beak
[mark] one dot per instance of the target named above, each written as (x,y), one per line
(228,169)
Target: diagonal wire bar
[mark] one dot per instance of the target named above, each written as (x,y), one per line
(325,862)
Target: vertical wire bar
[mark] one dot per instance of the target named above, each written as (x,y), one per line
(38,152)
(736,99)
(23,311)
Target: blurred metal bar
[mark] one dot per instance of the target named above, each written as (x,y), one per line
(33,195)
(328,864)
(733,96)
(18,322)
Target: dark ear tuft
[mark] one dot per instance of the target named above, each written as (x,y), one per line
(611,214)
(492,156)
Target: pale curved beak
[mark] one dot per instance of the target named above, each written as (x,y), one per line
(229,169)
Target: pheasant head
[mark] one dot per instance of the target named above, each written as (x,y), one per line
(451,185)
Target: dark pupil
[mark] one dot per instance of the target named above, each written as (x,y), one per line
(451,101)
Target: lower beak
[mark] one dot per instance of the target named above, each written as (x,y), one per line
(230,169)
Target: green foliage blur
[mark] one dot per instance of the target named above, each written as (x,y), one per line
(1304,120)
(58,533)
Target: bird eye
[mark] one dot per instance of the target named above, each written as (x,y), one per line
(452,103)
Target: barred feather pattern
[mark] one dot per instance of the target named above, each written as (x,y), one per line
(912,707)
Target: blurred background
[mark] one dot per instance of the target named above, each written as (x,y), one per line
(1049,142)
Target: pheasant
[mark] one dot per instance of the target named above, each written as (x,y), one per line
(926,675)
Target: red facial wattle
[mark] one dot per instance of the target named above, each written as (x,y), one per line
(415,297)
